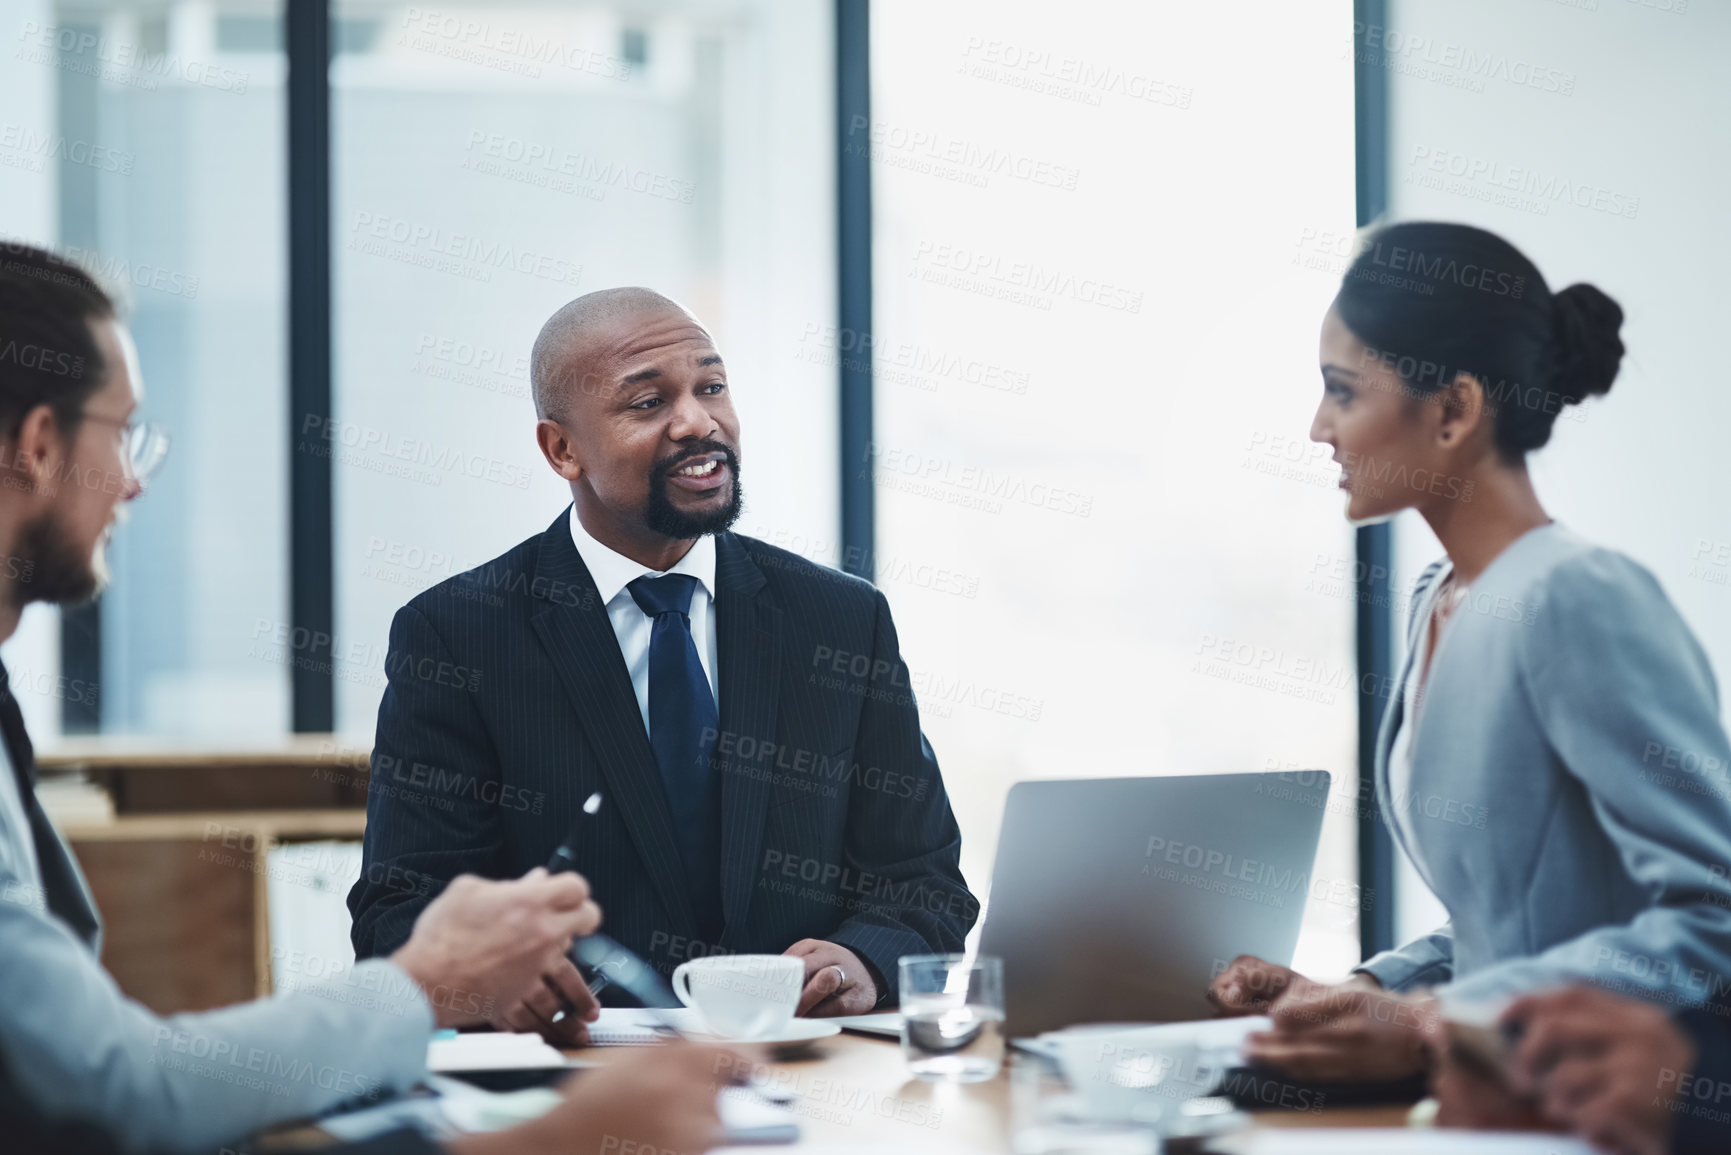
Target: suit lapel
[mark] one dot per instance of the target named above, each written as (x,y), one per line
(579,640)
(1395,715)
(748,647)
(1392,718)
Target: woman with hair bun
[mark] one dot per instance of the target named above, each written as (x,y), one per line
(1551,757)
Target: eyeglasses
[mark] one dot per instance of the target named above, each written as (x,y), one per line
(146,444)
(146,447)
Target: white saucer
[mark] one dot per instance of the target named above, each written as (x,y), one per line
(796,1031)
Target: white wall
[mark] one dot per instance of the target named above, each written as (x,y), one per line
(1622,103)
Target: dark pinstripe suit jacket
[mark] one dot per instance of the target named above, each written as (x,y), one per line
(508,704)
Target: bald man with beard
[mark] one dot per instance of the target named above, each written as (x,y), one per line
(744,713)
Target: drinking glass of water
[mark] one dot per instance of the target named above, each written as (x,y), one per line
(952,1016)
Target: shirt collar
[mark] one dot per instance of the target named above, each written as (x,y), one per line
(613,571)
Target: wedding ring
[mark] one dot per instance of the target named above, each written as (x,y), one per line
(840,974)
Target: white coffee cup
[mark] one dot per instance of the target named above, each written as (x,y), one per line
(1139,1074)
(742,996)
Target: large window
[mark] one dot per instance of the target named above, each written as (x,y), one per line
(1106,237)
(489,163)
(147,139)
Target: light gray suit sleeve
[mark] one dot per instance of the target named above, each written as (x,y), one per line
(1424,962)
(1617,681)
(81,1049)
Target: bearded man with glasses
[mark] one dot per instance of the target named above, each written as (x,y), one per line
(81,1065)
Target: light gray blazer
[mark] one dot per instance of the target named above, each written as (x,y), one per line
(1570,797)
(80,1049)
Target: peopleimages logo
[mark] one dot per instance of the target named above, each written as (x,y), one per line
(934,261)
(363,441)
(1446,270)
(433,247)
(41,359)
(483,42)
(492,151)
(141,274)
(929,475)
(905,362)
(39,146)
(1520,186)
(1376,44)
(82,50)
(1068,77)
(963,159)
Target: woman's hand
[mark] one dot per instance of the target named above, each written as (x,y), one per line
(1351,1031)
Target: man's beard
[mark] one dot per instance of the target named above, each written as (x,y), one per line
(670,522)
(52,569)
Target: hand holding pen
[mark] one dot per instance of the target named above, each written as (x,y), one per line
(558,1009)
(607,962)
(561,1007)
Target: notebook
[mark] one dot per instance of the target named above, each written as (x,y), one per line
(626,1027)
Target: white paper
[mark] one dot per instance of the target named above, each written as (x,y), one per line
(635,1027)
(492,1051)
(746,1117)
(1221,1040)
(854,1149)
(467,1107)
(1397,1141)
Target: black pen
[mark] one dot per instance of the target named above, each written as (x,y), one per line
(565,859)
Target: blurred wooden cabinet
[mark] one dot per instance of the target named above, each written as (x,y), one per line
(181,873)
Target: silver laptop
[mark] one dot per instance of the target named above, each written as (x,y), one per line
(1120,899)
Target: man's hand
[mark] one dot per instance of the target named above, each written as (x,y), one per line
(481,946)
(1607,1067)
(1249,985)
(1350,1031)
(661,1100)
(560,986)
(1470,1098)
(836,981)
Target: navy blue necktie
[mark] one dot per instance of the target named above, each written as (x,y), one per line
(683,723)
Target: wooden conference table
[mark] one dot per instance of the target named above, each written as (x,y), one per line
(854,1091)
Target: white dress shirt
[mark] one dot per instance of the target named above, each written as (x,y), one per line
(1400,752)
(1412,695)
(613,571)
